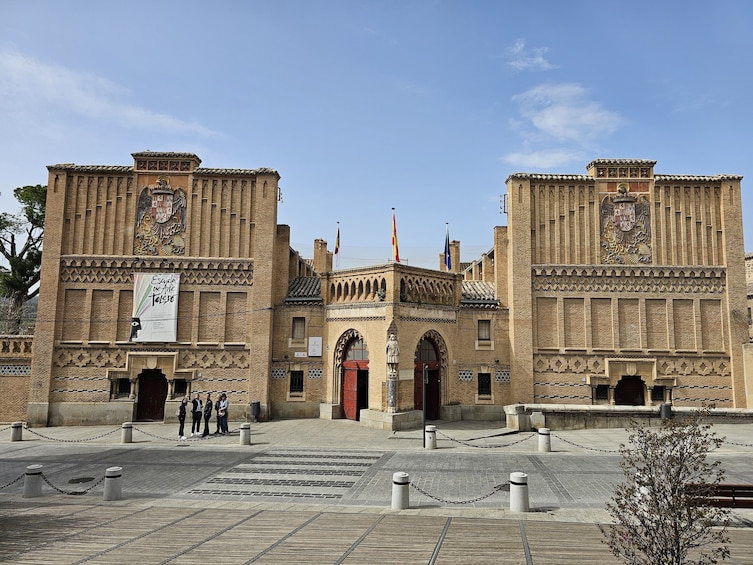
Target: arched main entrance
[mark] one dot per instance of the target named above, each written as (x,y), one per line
(426,354)
(630,391)
(355,379)
(152,395)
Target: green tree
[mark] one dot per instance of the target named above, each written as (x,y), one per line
(658,513)
(21,238)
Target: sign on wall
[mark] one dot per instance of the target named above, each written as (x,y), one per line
(155,307)
(315,347)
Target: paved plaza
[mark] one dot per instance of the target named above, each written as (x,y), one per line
(318,491)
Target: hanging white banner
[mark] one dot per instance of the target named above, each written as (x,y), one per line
(155,307)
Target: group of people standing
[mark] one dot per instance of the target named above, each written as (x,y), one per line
(203,410)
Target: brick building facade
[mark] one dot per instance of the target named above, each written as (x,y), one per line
(166,278)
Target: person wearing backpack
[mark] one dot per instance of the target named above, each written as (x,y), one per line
(207,414)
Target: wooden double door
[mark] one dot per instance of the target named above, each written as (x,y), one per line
(150,405)
(355,388)
(433,396)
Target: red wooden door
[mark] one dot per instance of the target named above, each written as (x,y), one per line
(432,389)
(350,390)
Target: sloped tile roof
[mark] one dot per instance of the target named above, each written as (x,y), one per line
(478,294)
(304,289)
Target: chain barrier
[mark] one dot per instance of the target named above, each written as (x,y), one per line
(483,446)
(738,443)
(585,446)
(199,438)
(495,490)
(72,492)
(100,436)
(14,481)
(5,428)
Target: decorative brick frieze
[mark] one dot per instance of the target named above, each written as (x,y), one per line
(611,279)
(119,270)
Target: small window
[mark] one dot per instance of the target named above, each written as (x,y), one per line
(299,328)
(484,384)
(601,393)
(296,382)
(124,387)
(657,393)
(484,330)
(180,387)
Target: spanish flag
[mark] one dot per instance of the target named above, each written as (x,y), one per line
(395,252)
(337,247)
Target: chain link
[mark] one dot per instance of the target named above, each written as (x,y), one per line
(72,492)
(13,481)
(585,446)
(495,490)
(100,436)
(483,446)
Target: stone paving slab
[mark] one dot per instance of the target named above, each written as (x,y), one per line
(316,491)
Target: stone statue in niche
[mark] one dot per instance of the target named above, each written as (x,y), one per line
(393,350)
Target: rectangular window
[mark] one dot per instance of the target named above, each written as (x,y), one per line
(124,387)
(299,328)
(601,393)
(657,394)
(181,387)
(484,384)
(296,382)
(484,330)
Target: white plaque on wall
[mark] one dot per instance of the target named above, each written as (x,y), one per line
(315,347)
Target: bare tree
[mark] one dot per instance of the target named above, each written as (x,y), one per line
(659,514)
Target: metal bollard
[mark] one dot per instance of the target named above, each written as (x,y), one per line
(245,434)
(545,440)
(519,492)
(33,481)
(431,437)
(400,493)
(16,432)
(126,433)
(113,489)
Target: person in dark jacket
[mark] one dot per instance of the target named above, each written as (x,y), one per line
(182,416)
(207,414)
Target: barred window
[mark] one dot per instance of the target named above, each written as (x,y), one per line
(484,330)
(296,381)
(484,384)
(601,392)
(124,387)
(299,328)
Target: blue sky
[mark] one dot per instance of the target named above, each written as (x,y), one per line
(425,106)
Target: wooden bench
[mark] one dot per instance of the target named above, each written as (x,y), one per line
(726,495)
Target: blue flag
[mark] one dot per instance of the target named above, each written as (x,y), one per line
(447,258)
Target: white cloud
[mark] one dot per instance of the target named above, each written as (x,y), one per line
(29,86)
(563,112)
(559,124)
(546,159)
(524,60)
